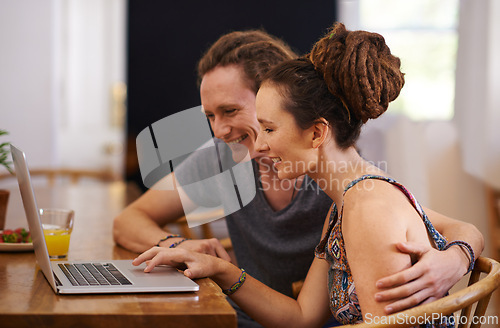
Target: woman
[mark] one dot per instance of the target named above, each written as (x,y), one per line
(311,111)
(276,246)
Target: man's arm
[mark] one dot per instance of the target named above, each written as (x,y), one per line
(139,226)
(436,271)
(458,230)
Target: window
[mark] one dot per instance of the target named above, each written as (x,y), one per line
(423,33)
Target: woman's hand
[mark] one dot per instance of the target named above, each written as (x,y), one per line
(206,246)
(198,265)
(427,280)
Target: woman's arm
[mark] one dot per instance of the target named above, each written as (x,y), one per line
(436,271)
(262,303)
(373,222)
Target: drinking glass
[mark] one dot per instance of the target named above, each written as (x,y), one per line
(57,227)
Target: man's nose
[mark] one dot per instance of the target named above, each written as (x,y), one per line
(221,128)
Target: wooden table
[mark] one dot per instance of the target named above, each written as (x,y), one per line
(27,300)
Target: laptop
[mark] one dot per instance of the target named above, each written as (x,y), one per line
(89,277)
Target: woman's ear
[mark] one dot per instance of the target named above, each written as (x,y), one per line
(320,132)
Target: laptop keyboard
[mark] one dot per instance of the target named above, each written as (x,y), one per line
(93,274)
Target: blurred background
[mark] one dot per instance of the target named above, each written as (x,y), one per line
(80,79)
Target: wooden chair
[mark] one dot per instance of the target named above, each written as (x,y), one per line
(478,292)
(493,207)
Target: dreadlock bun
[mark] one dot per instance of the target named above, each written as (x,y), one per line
(359,69)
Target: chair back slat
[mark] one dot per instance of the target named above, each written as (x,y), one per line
(481,307)
(466,311)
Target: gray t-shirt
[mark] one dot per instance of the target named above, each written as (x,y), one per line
(275,247)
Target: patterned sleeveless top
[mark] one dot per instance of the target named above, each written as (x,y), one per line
(344,302)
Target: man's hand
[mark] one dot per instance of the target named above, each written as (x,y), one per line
(427,280)
(205,246)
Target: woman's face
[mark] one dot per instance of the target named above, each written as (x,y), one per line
(280,138)
(229,104)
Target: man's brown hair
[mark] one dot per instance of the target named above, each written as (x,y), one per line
(254,50)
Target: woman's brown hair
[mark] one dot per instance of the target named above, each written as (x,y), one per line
(254,50)
(347,78)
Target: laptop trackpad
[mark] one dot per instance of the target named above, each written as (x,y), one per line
(159,271)
(161,276)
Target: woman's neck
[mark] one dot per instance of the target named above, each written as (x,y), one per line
(337,168)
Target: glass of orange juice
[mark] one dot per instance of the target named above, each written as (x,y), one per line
(57,227)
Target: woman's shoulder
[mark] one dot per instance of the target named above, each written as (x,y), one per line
(379,199)
(370,189)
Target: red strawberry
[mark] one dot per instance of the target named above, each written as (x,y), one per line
(20,235)
(10,237)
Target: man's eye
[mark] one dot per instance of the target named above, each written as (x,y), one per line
(268,130)
(230,111)
(210,116)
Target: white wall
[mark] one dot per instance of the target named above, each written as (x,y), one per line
(58,64)
(91,46)
(26,79)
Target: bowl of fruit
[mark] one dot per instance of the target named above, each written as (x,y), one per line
(18,240)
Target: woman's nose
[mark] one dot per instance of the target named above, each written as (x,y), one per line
(260,144)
